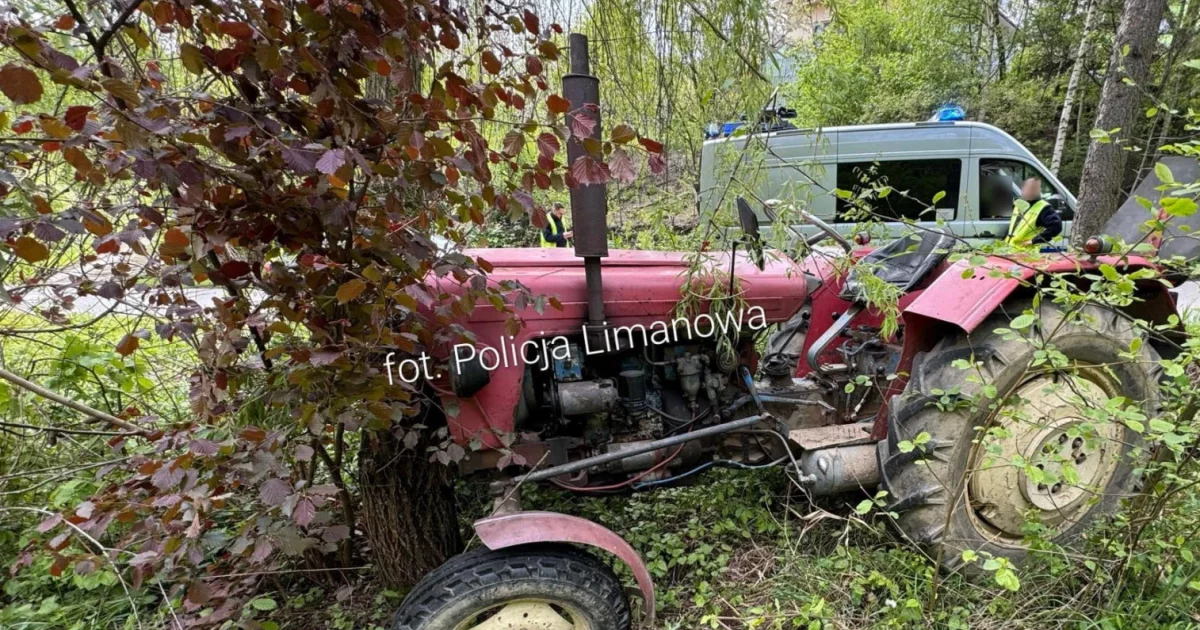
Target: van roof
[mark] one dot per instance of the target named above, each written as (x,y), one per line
(897,126)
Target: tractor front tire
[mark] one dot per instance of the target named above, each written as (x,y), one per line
(534,587)
(962,487)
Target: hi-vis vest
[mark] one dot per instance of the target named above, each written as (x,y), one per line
(553,230)
(1023,227)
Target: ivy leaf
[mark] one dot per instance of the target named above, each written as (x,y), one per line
(350,290)
(20,85)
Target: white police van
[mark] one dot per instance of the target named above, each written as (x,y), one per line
(978,167)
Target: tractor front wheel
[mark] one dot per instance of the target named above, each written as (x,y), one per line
(967,467)
(537,587)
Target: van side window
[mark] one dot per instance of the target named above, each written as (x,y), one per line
(920,180)
(1000,185)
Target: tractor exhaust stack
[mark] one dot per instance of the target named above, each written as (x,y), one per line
(589,203)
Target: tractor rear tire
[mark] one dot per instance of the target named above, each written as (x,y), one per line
(952,496)
(531,587)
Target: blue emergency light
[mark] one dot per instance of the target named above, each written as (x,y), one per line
(948,113)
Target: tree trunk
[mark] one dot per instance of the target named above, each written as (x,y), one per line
(1064,123)
(1104,168)
(408,509)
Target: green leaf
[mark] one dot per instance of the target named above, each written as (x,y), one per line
(864,506)
(1192,63)
(1178,206)
(1152,112)
(1023,321)
(1158,425)
(939,196)
(969,556)
(1164,173)
(264,604)
(1135,425)
(1110,273)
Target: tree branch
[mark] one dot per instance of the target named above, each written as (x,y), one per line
(95,414)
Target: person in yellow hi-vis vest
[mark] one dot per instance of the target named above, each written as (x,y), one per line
(555,234)
(1034,221)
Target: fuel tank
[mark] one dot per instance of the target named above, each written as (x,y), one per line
(640,287)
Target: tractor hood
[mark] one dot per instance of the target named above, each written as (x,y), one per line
(1178,240)
(639,286)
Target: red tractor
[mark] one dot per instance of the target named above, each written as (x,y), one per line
(617,391)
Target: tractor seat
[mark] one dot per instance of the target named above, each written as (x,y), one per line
(902,263)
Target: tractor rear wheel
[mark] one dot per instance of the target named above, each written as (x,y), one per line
(986,466)
(535,587)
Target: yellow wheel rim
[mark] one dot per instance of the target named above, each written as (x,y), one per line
(1069,458)
(526,614)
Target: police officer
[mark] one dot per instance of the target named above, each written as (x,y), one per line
(555,234)
(1033,221)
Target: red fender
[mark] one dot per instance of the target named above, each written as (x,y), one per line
(523,528)
(966,302)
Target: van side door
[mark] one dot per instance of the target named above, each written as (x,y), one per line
(999,186)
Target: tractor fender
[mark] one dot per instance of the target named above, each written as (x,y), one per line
(523,528)
(967,301)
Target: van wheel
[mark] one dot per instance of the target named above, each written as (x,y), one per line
(535,587)
(966,488)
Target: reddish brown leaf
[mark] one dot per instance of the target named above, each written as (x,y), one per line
(548,144)
(448,38)
(20,84)
(533,65)
(30,250)
(620,166)
(128,345)
(199,593)
(274,492)
(177,237)
(253,434)
(532,23)
(557,104)
(77,158)
(77,116)
(587,171)
(491,62)
(650,145)
(658,165)
(581,124)
(305,512)
(236,30)
(64,22)
(514,141)
(235,268)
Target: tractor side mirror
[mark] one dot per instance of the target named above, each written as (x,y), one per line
(750,233)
